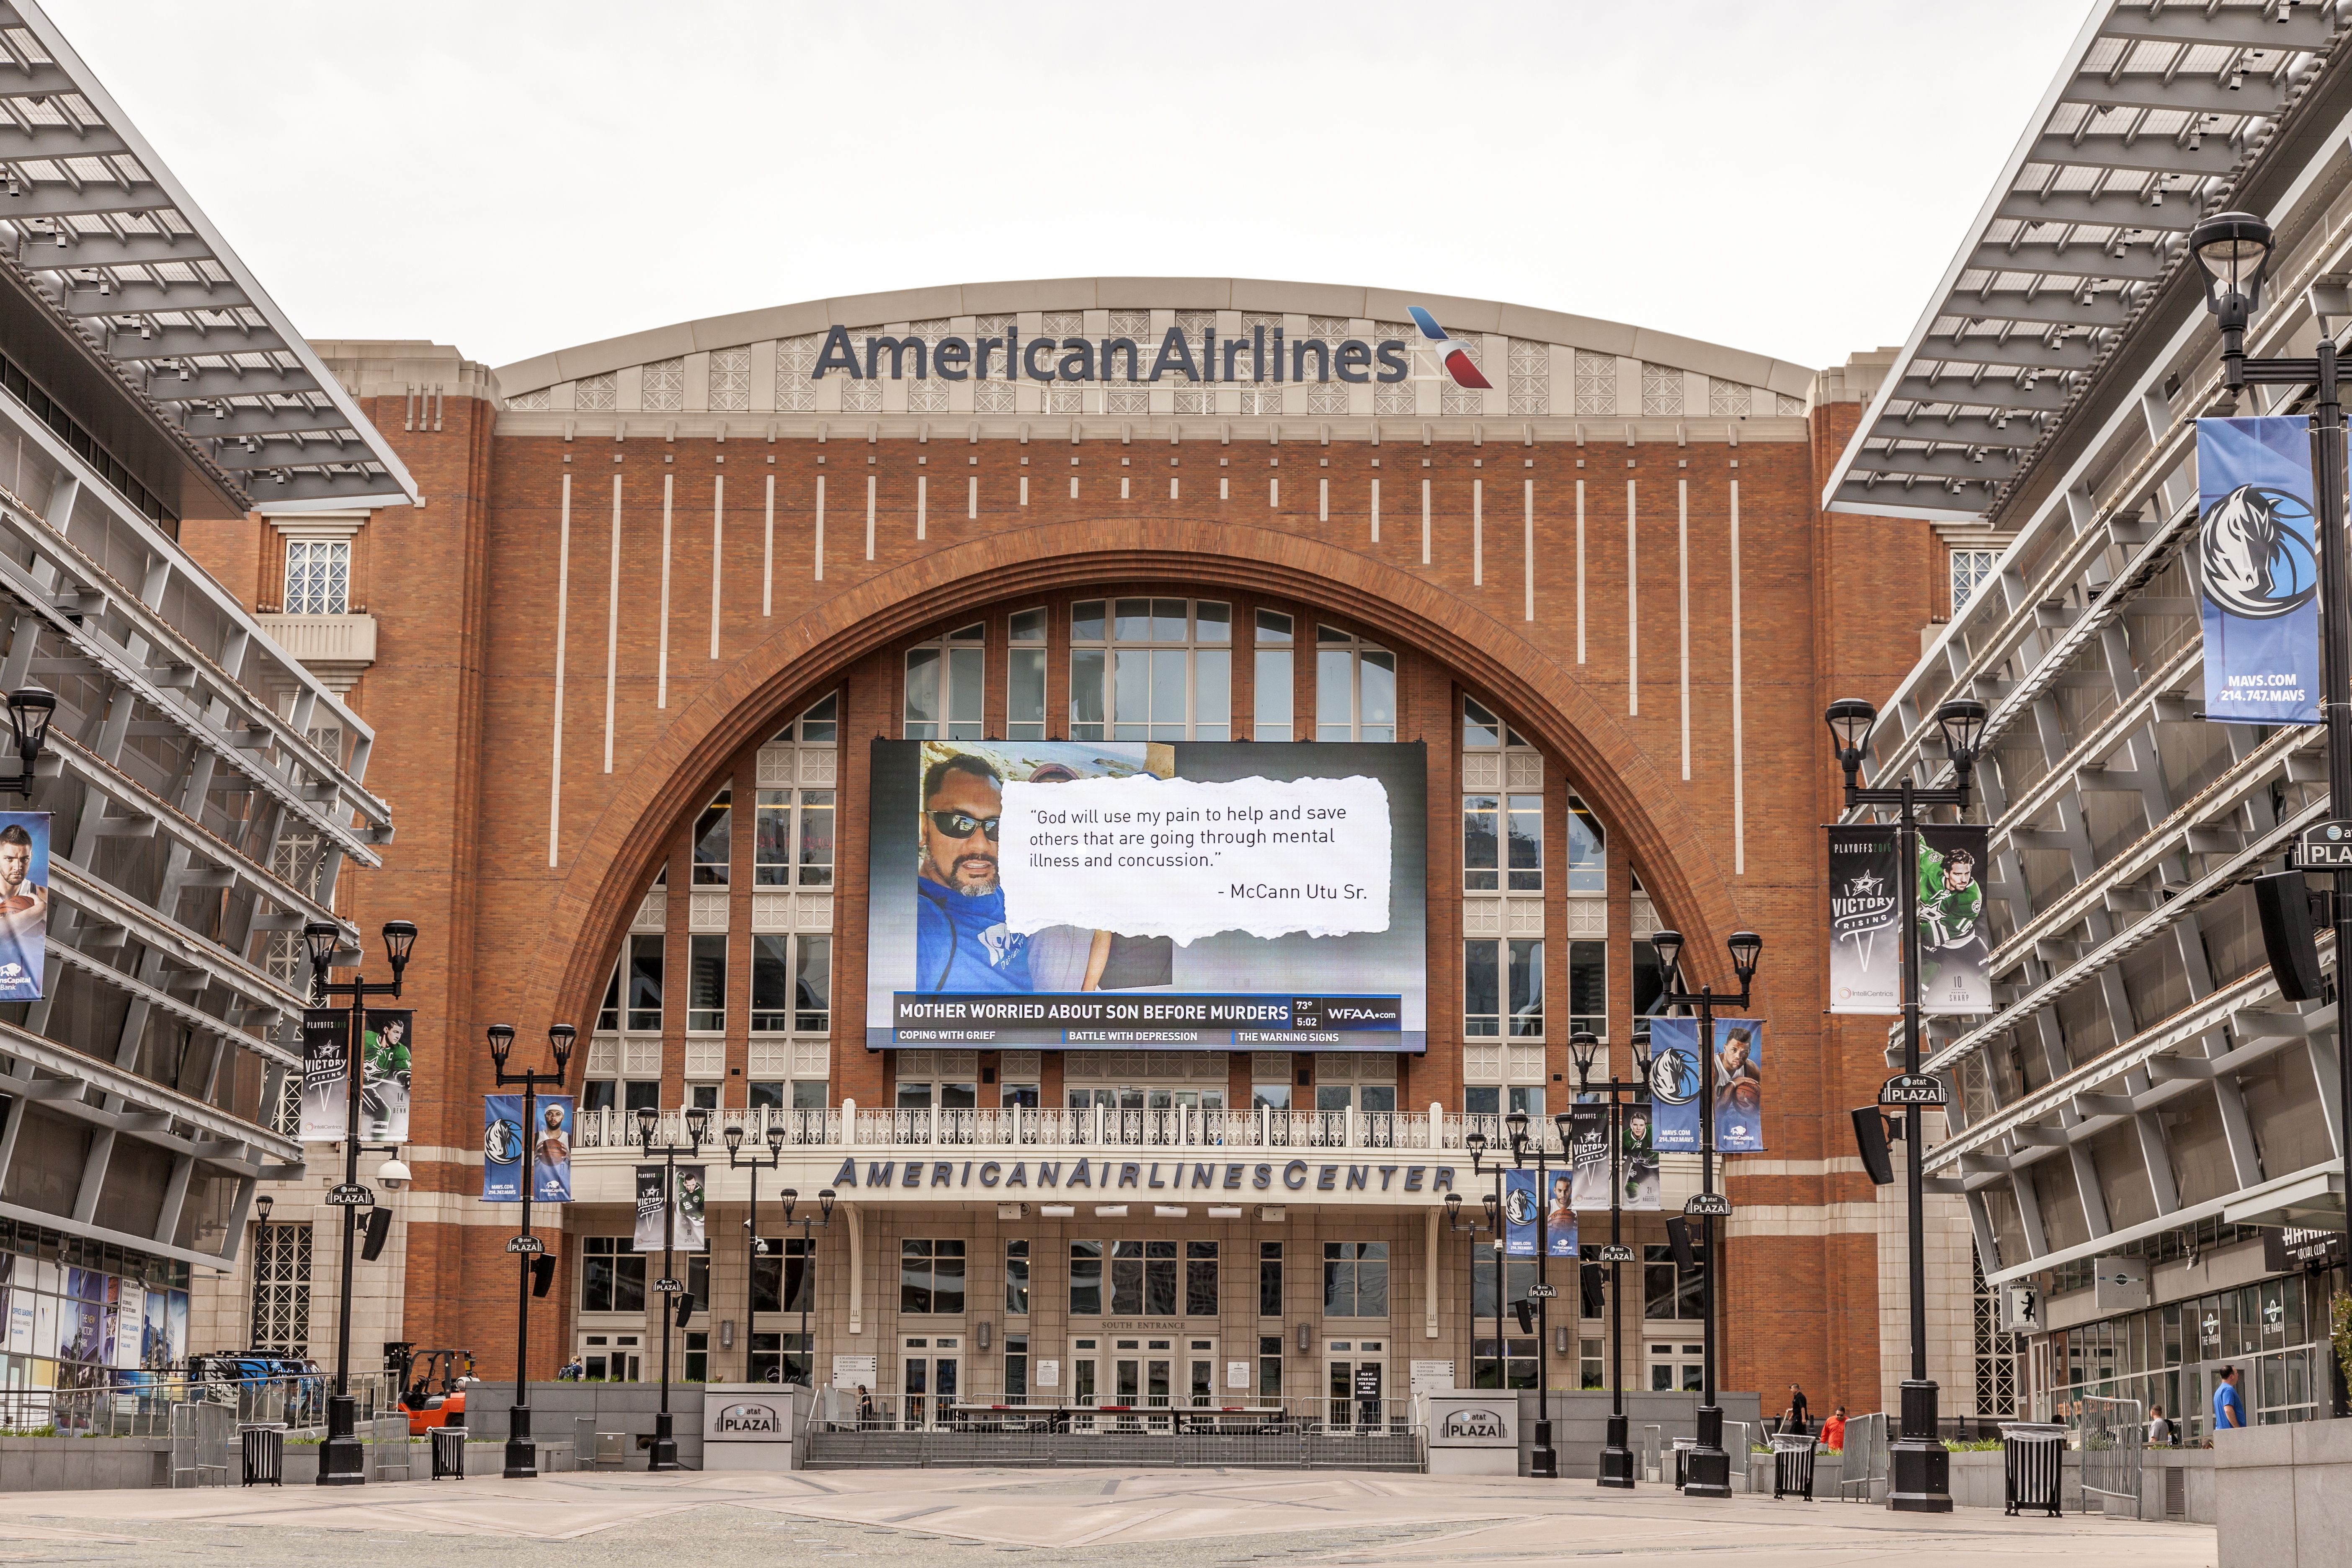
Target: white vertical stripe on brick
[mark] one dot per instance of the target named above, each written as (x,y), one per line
(1024,490)
(1074,487)
(922,506)
(971,497)
(612,626)
(1376,511)
(1632,610)
(768,555)
(1274,492)
(661,654)
(1122,487)
(1173,488)
(869,516)
(1424,523)
(1739,734)
(1225,488)
(819,528)
(1322,501)
(1478,533)
(562,621)
(1580,571)
(1681,570)
(717,537)
(1530,565)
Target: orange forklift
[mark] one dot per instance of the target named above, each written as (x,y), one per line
(433,1386)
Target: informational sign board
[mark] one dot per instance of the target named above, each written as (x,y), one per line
(1176,896)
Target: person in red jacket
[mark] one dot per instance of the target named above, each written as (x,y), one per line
(1833,1430)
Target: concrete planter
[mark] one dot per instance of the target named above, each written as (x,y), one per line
(557,1410)
(2283,1495)
(83,1464)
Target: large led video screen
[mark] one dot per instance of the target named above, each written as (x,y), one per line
(1192,895)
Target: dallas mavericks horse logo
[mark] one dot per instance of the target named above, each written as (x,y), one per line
(1518,1207)
(2254,554)
(1673,1077)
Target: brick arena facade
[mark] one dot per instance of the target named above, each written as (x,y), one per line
(654,569)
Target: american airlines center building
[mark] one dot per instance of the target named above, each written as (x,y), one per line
(1125,776)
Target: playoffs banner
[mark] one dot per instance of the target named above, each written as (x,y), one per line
(1677,1082)
(1954,961)
(686,1230)
(384,1075)
(1637,1158)
(503,1145)
(23,903)
(326,1074)
(2257,575)
(1865,912)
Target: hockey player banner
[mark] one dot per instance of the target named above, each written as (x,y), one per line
(690,1209)
(384,1075)
(326,1074)
(1677,1084)
(1954,961)
(503,1146)
(2256,573)
(1637,1160)
(1865,917)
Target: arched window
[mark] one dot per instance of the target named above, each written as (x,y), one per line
(1355,688)
(945,687)
(1152,669)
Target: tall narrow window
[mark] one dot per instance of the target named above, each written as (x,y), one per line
(318,576)
(794,839)
(1588,857)
(1162,670)
(1588,986)
(706,1002)
(644,994)
(1017,1279)
(281,1288)
(1355,688)
(1025,681)
(1482,990)
(944,687)
(713,840)
(1199,1279)
(1970,569)
(1272,719)
(1525,960)
(813,983)
(608,1016)
(1269,1280)
(771,984)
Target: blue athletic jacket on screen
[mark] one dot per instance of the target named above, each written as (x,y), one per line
(961,944)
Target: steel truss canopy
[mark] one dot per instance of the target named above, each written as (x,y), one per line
(2159,107)
(88,207)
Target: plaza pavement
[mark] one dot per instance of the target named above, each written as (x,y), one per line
(1137,1518)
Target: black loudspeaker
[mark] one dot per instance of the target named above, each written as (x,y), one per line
(1588,1281)
(1870,1142)
(542,1274)
(1525,1310)
(2285,901)
(379,1231)
(685,1307)
(1678,1239)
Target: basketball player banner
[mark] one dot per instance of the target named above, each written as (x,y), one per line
(2256,571)
(1677,1083)
(503,1142)
(23,903)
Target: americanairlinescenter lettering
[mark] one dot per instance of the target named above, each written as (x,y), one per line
(1260,357)
(1175,1176)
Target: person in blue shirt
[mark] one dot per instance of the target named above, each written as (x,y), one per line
(2229,1408)
(962,943)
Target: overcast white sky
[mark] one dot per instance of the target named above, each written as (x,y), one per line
(1787,177)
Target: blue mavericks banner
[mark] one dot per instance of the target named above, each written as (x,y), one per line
(1519,1216)
(1677,1081)
(2257,577)
(502,1149)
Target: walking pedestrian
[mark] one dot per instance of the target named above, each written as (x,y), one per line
(2229,1405)
(1796,1411)
(1833,1430)
(2159,1430)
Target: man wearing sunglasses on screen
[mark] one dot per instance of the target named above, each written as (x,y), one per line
(962,943)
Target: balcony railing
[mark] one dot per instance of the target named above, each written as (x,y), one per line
(1093,1126)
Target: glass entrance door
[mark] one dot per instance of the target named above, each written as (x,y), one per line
(1355,1385)
(1143,1383)
(1084,1390)
(1200,1374)
(931,1383)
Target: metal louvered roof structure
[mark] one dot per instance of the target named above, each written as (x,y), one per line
(2152,120)
(112,238)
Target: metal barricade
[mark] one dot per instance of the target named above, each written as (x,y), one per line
(202,1434)
(1792,1466)
(2112,1436)
(1865,1464)
(449,1453)
(262,1450)
(2033,1466)
(1682,1447)
(1652,1445)
(388,1446)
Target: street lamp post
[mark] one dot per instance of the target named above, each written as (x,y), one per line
(733,1138)
(1616,1454)
(342,1462)
(1707,1472)
(1920,1468)
(522,1455)
(2234,251)
(808,1263)
(1493,1202)
(262,1205)
(1543,1459)
(697,1123)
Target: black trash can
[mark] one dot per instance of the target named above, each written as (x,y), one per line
(449,1453)
(2033,1466)
(263,1451)
(1792,1466)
